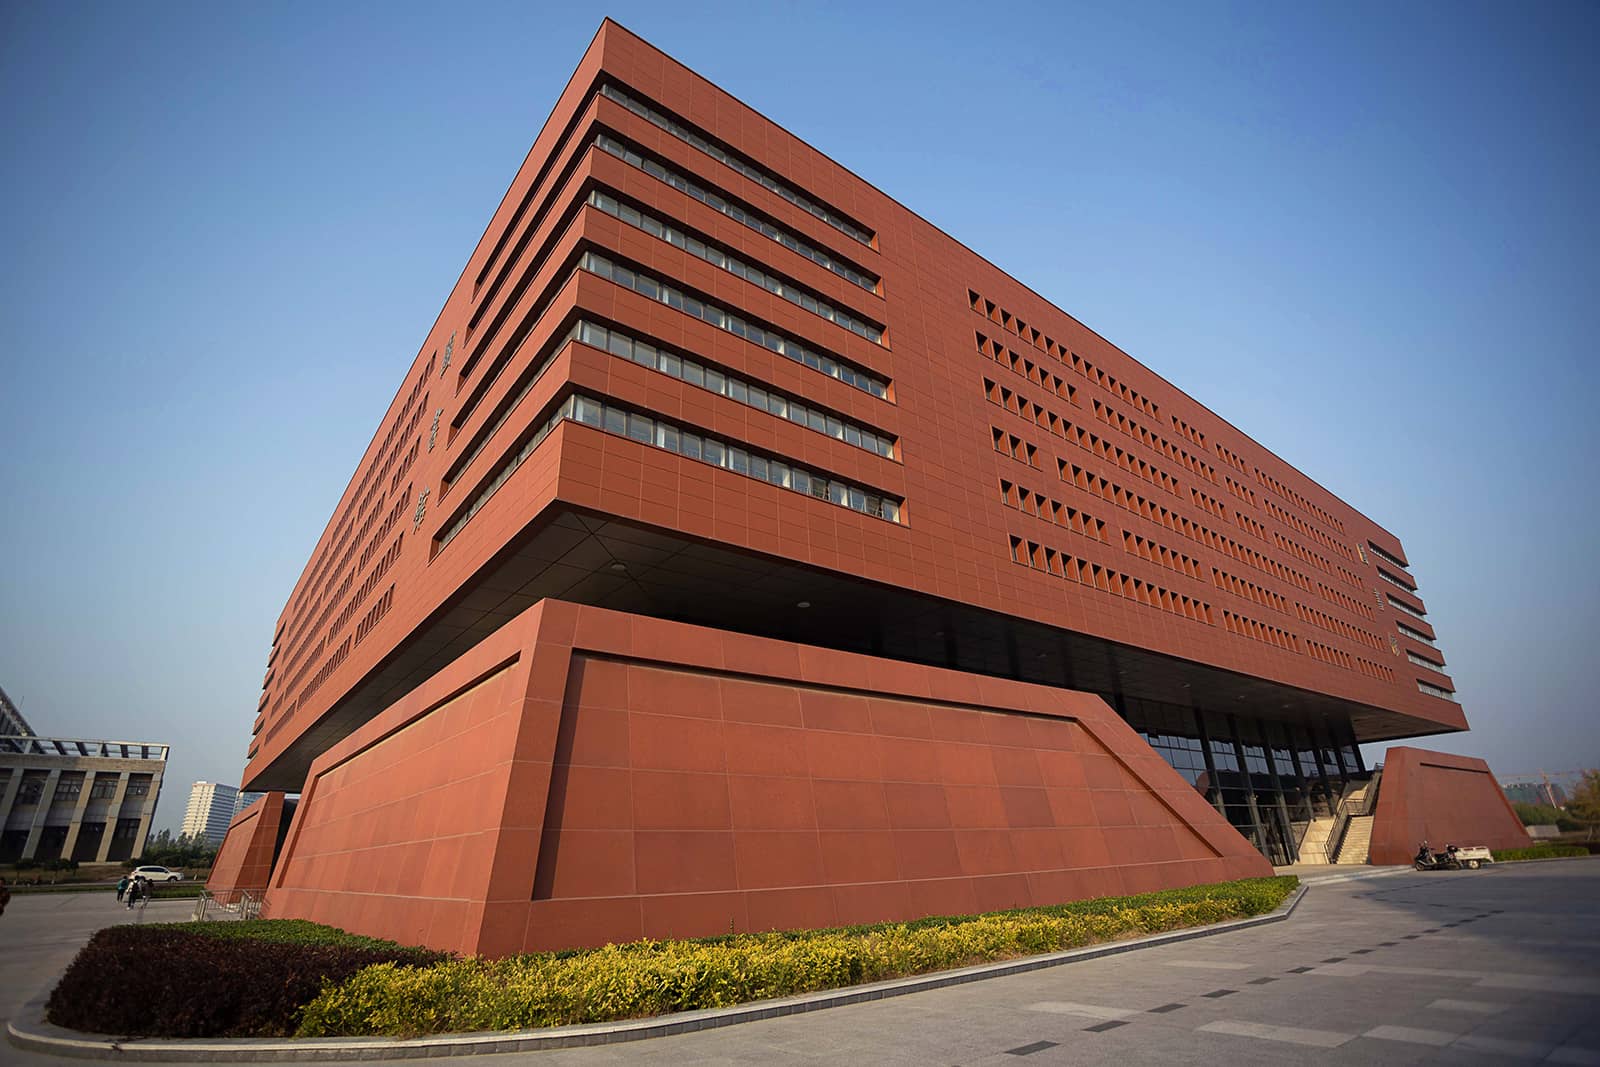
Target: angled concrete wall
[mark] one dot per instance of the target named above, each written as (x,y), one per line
(1441,799)
(244,862)
(584,776)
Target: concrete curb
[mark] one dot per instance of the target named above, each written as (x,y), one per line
(31,1032)
(1358,876)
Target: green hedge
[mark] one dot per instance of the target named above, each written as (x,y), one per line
(1538,852)
(209,979)
(646,978)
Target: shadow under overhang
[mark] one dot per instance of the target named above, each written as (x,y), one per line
(588,558)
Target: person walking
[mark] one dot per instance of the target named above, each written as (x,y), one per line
(133,891)
(122,888)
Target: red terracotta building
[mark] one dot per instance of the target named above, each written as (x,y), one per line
(741,549)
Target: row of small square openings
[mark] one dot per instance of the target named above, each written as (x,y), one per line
(1297,523)
(349,537)
(1009,444)
(1047,559)
(1043,507)
(1344,600)
(1160,554)
(1329,654)
(1230,457)
(1251,526)
(1018,404)
(1249,591)
(1002,355)
(389,520)
(1260,631)
(1126,460)
(368,585)
(1295,498)
(1243,492)
(1188,431)
(408,417)
(989,310)
(1055,424)
(1194,531)
(1316,559)
(377,612)
(1153,440)
(1338,626)
(331,664)
(1208,504)
(1375,670)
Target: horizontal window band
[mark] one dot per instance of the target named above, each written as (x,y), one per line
(748,391)
(647,285)
(696,246)
(692,136)
(735,209)
(670,436)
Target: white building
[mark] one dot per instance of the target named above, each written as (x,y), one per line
(211,807)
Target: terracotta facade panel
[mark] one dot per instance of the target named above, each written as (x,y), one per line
(909,661)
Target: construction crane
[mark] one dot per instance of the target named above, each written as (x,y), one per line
(1542,779)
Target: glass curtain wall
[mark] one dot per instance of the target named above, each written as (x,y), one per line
(1269,779)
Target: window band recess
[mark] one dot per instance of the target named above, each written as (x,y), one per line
(736,211)
(787,347)
(787,290)
(691,136)
(671,437)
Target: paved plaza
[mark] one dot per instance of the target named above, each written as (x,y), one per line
(1489,967)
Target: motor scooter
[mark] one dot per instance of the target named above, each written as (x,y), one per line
(1429,860)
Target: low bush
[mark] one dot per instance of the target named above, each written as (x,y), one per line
(244,979)
(653,977)
(1538,852)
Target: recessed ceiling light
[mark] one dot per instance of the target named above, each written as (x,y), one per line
(803,604)
(619,566)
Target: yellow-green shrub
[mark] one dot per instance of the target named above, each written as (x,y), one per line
(646,978)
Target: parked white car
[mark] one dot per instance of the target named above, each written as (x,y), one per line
(156,874)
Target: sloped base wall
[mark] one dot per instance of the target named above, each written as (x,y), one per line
(1441,799)
(585,776)
(244,862)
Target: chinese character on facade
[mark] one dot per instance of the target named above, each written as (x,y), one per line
(433,431)
(449,349)
(422,509)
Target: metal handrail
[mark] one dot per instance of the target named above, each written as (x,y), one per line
(1347,810)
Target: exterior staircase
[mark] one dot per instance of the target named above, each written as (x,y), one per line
(1315,843)
(1357,841)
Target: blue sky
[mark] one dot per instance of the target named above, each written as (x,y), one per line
(1365,234)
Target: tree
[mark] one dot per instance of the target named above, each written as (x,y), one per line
(1583,806)
(180,851)
(1536,814)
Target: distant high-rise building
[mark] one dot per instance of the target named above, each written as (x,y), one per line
(211,809)
(1537,793)
(244,800)
(12,724)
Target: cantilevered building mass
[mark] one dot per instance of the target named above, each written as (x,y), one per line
(741,549)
